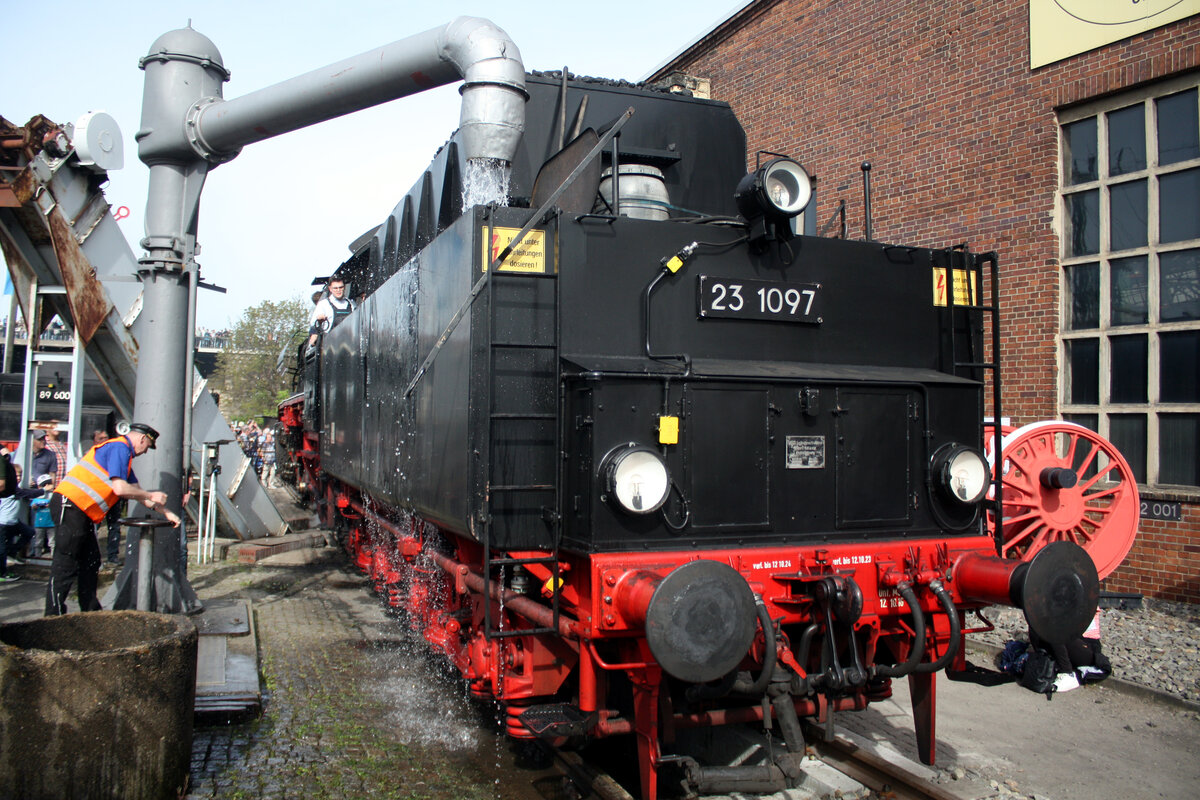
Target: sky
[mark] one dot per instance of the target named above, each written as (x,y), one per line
(286,209)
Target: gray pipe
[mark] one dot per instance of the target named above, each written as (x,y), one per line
(187,127)
(145,577)
(473,50)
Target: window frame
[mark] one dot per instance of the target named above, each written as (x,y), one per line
(1105,331)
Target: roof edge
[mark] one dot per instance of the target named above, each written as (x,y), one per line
(711,35)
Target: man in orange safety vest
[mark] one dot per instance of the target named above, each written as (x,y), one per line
(102,478)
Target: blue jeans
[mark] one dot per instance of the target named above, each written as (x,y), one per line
(23,534)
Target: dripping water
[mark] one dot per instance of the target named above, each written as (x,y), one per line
(486,182)
(501,721)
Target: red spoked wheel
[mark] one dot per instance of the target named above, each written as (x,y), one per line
(1063,482)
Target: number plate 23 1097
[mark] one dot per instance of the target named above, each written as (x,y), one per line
(751,299)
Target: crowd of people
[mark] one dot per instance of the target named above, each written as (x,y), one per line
(258,443)
(58,332)
(48,463)
(207,337)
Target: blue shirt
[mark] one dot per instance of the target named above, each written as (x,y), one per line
(42,518)
(116,458)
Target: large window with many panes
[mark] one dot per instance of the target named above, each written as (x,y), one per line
(1130,333)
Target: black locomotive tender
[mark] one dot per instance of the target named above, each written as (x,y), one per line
(624,399)
(827,341)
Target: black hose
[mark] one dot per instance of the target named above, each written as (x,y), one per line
(683,504)
(918,648)
(955,631)
(733,683)
(799,685)
(759,687)
(789,722)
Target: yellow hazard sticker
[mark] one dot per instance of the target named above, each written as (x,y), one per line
(528,256)
(965,290)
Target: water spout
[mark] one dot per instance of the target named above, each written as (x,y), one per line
(486,182)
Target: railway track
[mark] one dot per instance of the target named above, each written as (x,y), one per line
(838,768)
(884,778)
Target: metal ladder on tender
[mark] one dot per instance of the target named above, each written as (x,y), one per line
(497,419)
(961,258)
(35,357)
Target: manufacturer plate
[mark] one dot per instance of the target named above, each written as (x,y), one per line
(806,452)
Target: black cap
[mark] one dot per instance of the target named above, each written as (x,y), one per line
(141,427)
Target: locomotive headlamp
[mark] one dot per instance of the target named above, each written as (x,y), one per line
(961,472)
(770,196)
(636,479)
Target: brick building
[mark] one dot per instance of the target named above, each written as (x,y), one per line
(1062,134)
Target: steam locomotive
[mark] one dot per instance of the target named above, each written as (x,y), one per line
(637,454)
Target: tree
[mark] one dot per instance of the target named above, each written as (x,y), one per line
(246,375)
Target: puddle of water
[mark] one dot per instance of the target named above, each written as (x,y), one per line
(426,706)
(430,711)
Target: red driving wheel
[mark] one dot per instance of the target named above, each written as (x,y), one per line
(1063,482)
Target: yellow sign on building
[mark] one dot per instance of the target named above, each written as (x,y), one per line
(528,256)
(1060,29)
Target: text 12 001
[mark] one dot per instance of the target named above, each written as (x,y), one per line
(751,299)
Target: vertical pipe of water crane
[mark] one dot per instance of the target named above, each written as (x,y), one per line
(188,384)
(185,466)
(145,567)
(160,386)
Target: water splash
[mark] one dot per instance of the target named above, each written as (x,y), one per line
(486,182)
(424,707)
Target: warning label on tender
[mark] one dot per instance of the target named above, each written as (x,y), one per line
(965,292)
(528,256)
(806,452)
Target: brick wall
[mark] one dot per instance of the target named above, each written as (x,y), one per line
(963,140)
(1164,561)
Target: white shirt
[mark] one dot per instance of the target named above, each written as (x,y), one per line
(323,311)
